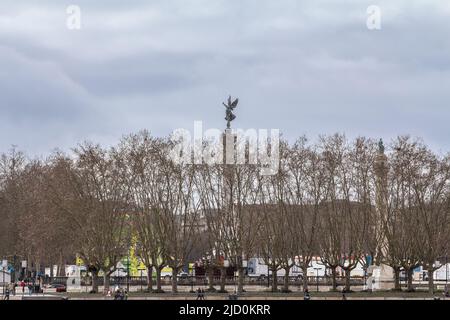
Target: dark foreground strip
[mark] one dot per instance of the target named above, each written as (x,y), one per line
(249,309)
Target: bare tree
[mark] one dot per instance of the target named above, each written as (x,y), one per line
(145,156)
(214,202)
(403,224)
(271,241)
(242,219)
(304,190)
(428,177)
(335,199)
(347,213)
(11,167)
(180,209)
(98,206)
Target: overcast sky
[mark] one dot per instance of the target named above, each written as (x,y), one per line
(302,66)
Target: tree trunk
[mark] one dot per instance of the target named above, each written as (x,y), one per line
(52,273)
(223,278)
(38,269)
(274,279)
(240,280)
(106,279)
(347,280)
(305,277)
(175,279)
(431,281)
(410,279)
(158,279)
(286,280)
(95,281)
(61,269)
(333,278)
(149,278)
(397,285)
(210,272)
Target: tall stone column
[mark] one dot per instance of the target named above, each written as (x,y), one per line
(382,276)
(381,193)
(229,153)
(229,150)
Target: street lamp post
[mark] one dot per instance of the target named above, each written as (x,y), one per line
(365,279)
(446,274)
(245,267)
(235,280)
(128,276)
(317,278)
(226,265)
(13,276)
(3,272)
(24,265)
(128,268)
(142,289)
(192,281)
(191,277)
(4,267)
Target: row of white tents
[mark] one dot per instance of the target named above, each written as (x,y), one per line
(257,268)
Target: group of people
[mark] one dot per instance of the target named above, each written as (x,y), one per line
(11,289)
(8,289)
(307,296)
(29,285)
(200,294)
(119,294)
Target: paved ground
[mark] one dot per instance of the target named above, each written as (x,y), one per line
(248,296)
(252,292)
(215,298)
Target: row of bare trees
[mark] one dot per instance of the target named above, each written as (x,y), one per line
(417,222)
(327,200)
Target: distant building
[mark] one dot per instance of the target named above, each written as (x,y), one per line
(5,277)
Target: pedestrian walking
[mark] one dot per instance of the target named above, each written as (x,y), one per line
(118,294)
(344,297)
(203,294)
(233,296)
(22,284)
(306,295)
(6,293)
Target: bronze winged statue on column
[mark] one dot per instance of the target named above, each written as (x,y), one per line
(230,106)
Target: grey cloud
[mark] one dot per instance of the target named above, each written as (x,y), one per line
(305,67)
